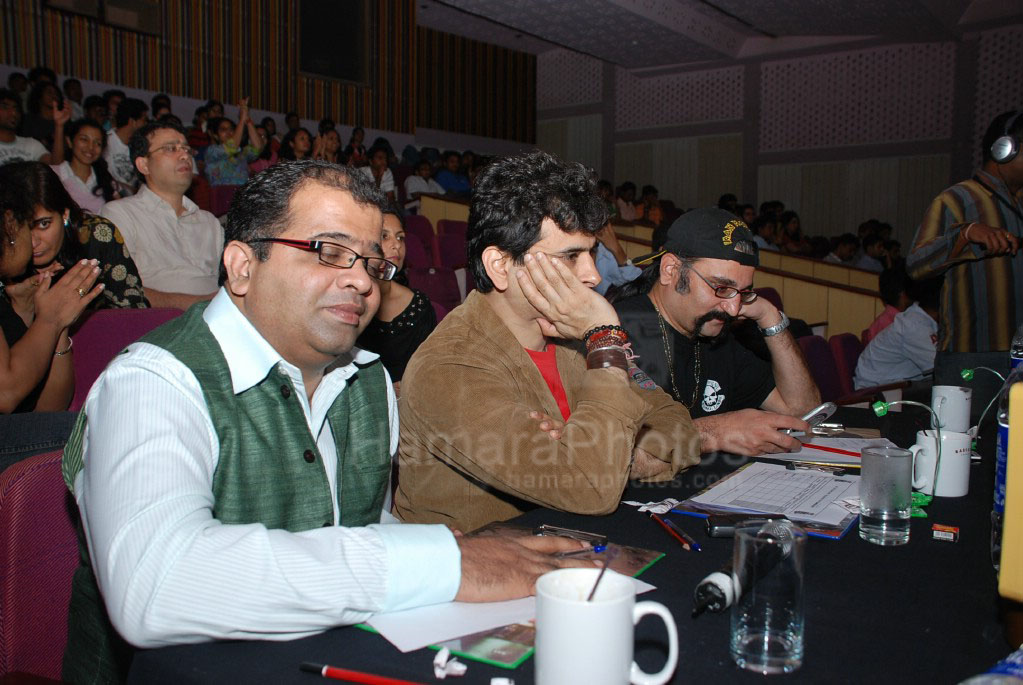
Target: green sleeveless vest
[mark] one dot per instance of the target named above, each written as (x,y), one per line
(269,471)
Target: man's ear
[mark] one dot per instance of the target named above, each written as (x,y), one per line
(669,269)
(142,164)
(498,265)
(238,261)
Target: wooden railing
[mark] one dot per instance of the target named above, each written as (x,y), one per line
(437,207)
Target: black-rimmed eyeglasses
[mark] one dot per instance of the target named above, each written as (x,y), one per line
(727,292)
(339,256)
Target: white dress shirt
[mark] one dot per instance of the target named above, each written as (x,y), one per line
(174,254)
(386,181)
(170,572)
(417,184)
(904,350)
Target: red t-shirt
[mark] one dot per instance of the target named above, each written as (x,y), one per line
(547,363)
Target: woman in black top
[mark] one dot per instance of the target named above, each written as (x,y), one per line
(36,372)
(406,317)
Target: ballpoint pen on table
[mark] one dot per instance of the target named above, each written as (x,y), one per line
(677,533)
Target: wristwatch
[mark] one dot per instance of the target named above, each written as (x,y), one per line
(776,328)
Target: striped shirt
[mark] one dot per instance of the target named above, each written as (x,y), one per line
(982,297)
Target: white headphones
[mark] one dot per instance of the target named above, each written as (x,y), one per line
(1006,147)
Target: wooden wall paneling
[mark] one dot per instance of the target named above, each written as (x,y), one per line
(552,136)
(720,168)
(676,171)
(824,208)
(920,180)
(849,312)
(863,279)
(835,273)
(770,259)
(584,140)
(796,265)
(762,279)
(780,182)
(634,162)
(870,193)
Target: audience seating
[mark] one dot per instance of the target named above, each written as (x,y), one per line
(220,199)
(451,250)
(421,227)
(103,335)
(439,284)
(440,311)
(846,349)
(38,555)
(822,366)
(416,253)
(771,295)
(452,227)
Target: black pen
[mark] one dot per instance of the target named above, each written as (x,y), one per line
(684,535)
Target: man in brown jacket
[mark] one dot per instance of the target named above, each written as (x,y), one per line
(524,395)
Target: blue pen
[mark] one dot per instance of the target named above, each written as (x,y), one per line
(694,514)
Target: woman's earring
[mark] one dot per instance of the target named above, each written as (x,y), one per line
(67,222)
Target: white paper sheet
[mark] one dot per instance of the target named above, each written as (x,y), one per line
(847,444)
(802,495)
(417,628)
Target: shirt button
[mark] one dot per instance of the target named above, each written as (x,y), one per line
(285,392)
(309,456)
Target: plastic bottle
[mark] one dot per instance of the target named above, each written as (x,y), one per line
(1001,461)
(1008,671)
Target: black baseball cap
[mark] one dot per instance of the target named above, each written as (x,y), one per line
(712,233)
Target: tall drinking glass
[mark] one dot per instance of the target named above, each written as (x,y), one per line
(886,487)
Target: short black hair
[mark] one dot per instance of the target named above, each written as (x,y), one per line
(159,99)
(68,82)
(649,190)
(36,73)
(35,96)
(625,187)
(8,94)
(727,201)
(448,154)
(892,283)
(871,240)
(112,93)
(16,76)
(138,145)
(261,208)
(94,101)
(326,124)
(513,195)
(996,129)
(130,108)
(211,103)
(847,239)
(760,222)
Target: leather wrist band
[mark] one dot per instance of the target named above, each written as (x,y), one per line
(776,328)
(604,357)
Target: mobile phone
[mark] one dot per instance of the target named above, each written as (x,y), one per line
(815,417)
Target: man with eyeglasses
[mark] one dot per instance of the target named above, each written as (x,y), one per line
(233,467)
(175,245)
(679,313)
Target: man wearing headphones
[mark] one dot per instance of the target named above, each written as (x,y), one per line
(971,234)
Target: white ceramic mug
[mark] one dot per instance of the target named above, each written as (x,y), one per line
(952,405)
(954,473)
(592,642)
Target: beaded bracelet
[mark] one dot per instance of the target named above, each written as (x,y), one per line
(598,329)
(604,357)
(605,338)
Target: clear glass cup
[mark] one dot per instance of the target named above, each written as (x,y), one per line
(767,618)
(886,495)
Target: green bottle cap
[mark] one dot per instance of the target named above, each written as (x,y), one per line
(967,374)
(880,408)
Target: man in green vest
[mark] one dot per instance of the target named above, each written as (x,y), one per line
(232,468)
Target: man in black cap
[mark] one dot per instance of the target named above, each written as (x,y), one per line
(678,315)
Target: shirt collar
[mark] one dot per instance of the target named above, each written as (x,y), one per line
(250,357)
(149,197)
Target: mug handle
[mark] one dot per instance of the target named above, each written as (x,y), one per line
(638,677)
(924,481)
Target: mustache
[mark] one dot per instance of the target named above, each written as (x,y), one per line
(715,315)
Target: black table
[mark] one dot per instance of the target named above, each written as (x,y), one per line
(924,612)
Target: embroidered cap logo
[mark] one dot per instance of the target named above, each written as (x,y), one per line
(726,236)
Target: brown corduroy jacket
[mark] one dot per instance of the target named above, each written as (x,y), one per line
(470,454)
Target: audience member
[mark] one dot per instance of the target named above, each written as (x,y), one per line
(327,147)
(95,109)
(612,263)
(729,203)
(267,155)
(971,233)
(607,194)
(175,245)
(36,372)
(625,199)
(215,108)
(198,498)
(15,148)
(63,235)
(892,289)
(905,349)
(130,117)
(873,254)
(845,247)
(649,206)
(355,151)
(85,174)
(73,95)
(679,316)
(378,173)
(773,208)
(790,235)
(270,124)
(227,159)
(764,230)
(418,183)
(405,317)
(450,176)
(747,214)
(468,162)
(18,84)
(297,144)
(112,101)
(509,360)
(292,121)
(159,101)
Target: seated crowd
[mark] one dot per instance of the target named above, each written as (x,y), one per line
(255,475)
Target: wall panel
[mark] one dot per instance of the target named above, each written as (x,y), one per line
(692,172)
(576,139)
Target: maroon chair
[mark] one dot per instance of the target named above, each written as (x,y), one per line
(440,311)
(421,227)
(103,335)
(415,253)
(771,295)
(451,249)
(822,366)
(401,172)
(220,199)
(452,227)
(38,555)
(439,284)
(846,349)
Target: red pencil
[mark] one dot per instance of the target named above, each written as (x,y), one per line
(352,676)
(831,449)
(671,532)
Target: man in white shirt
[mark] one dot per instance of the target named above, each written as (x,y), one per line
(15,148)
(176,502)
(906,348)
(176,246)
(420,182)
(131,116)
